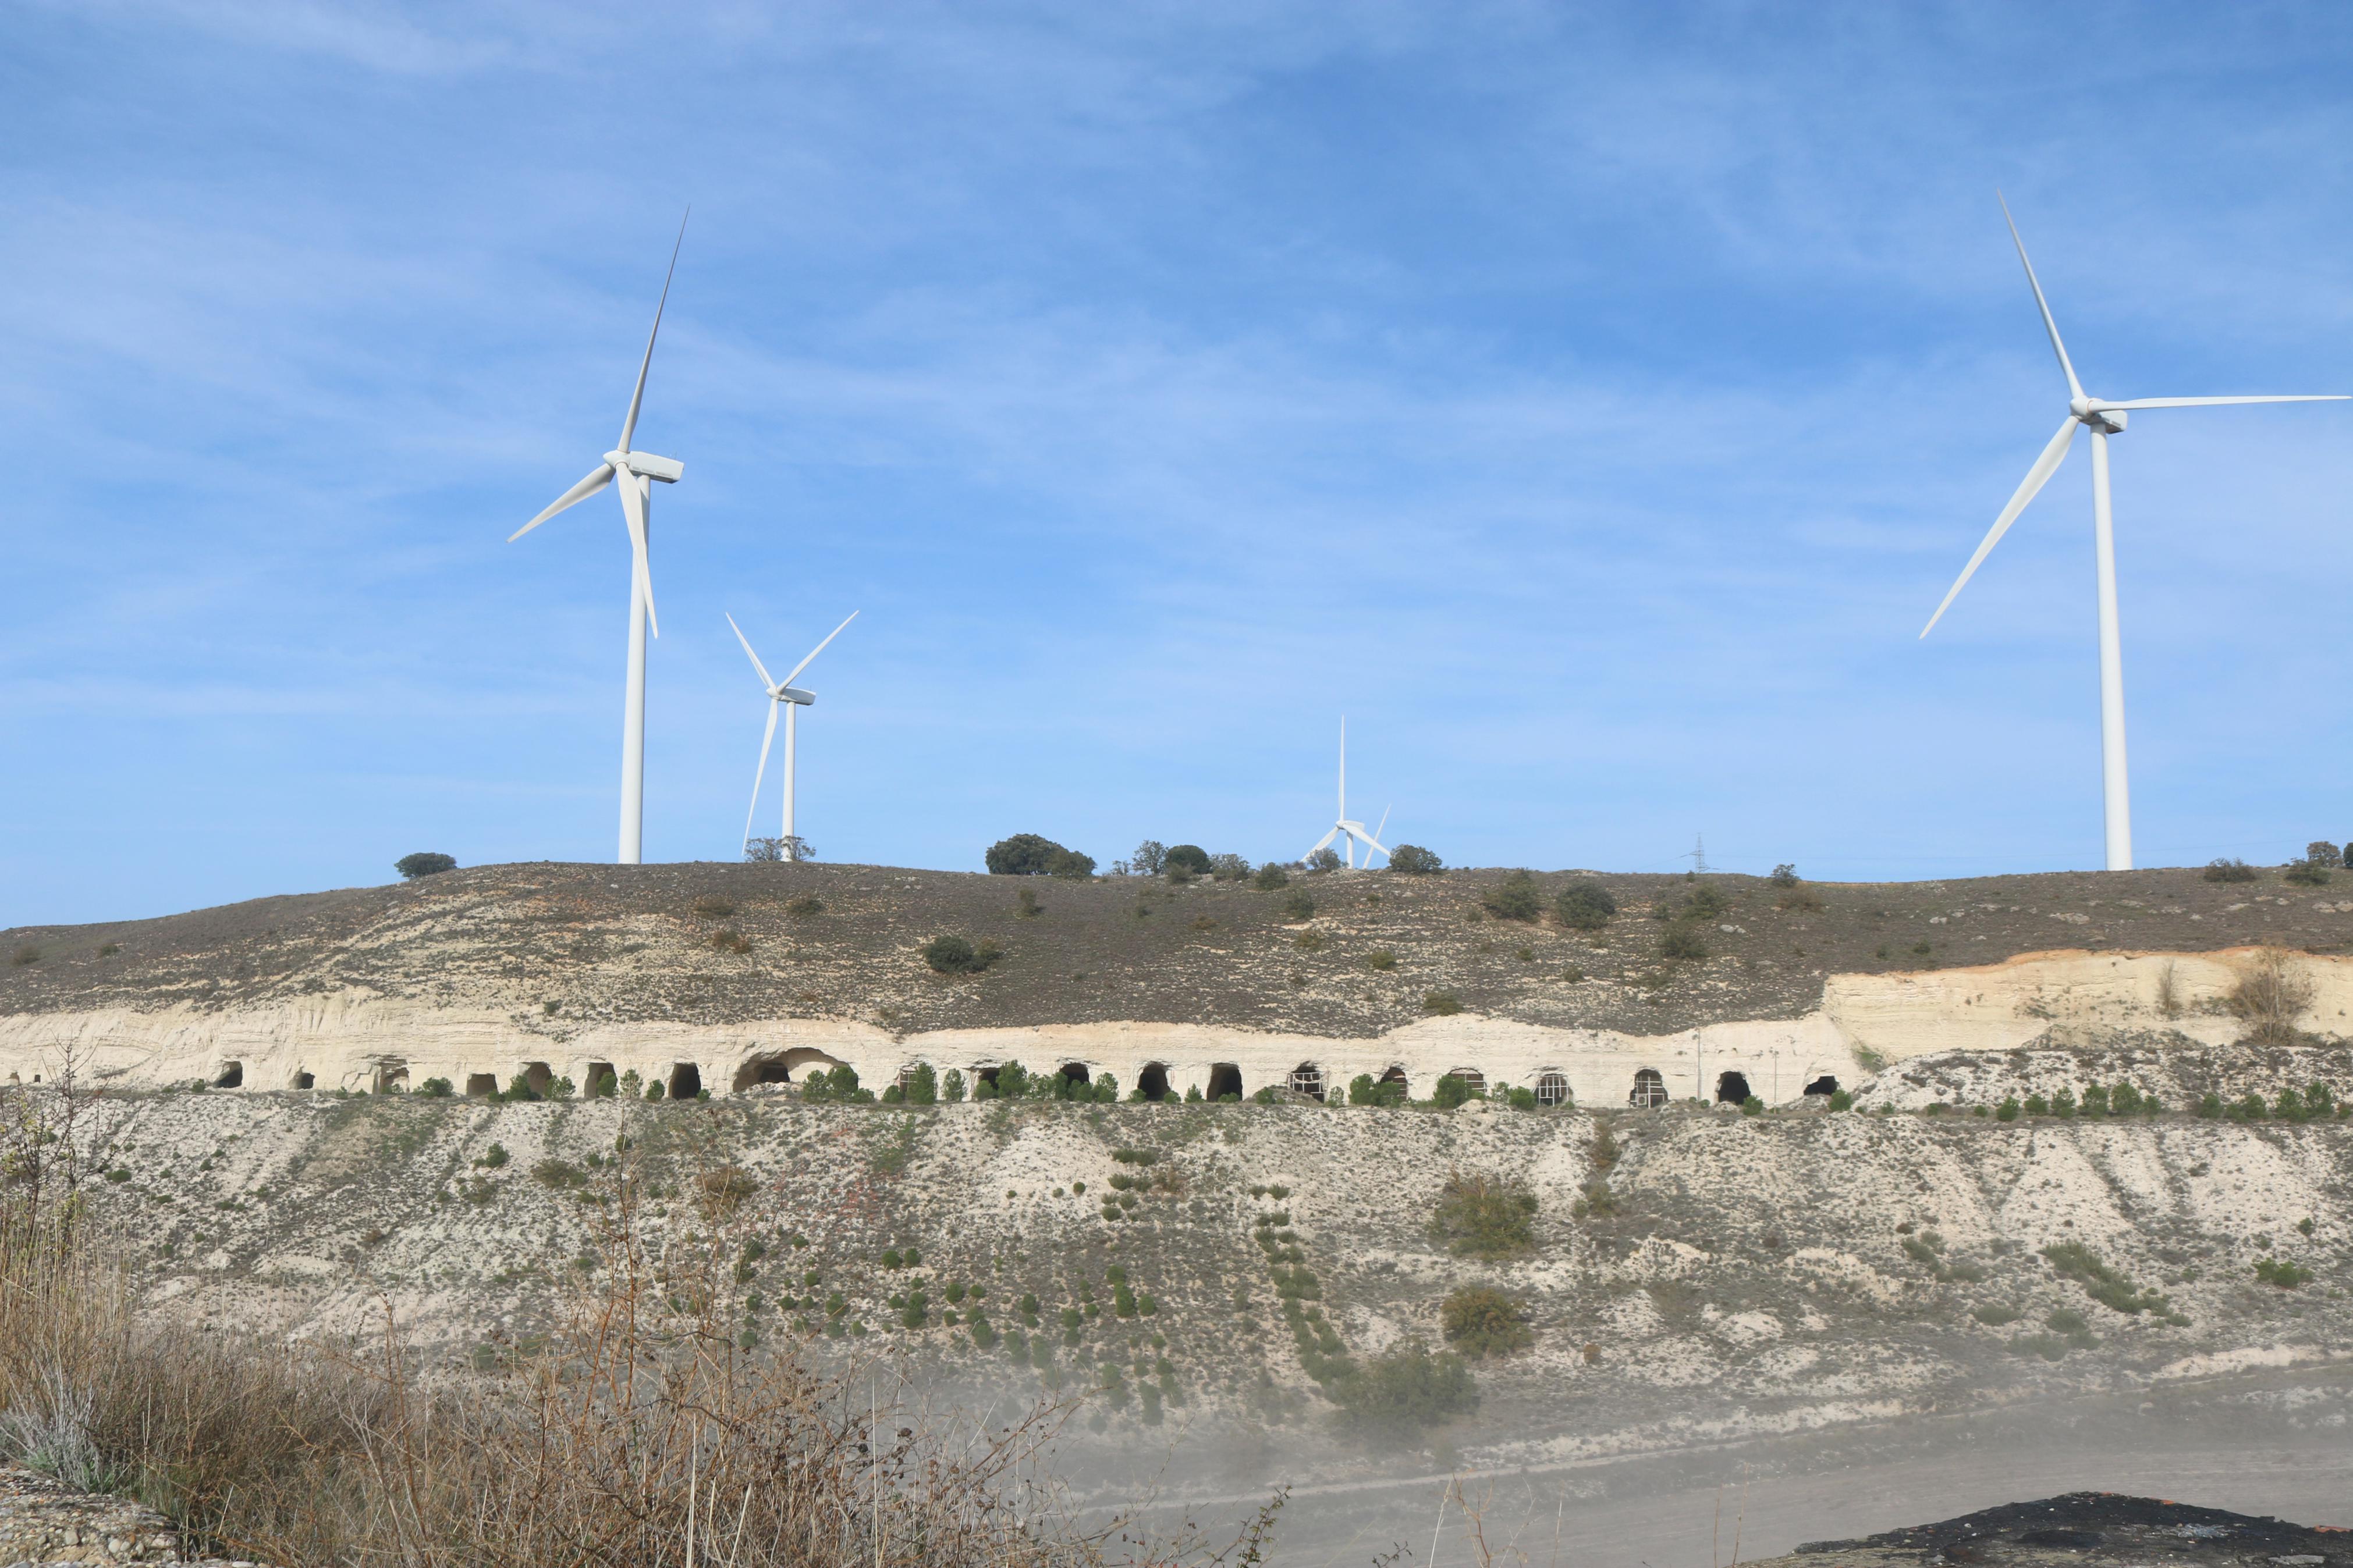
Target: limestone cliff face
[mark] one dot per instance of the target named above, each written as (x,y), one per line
(1695,1275)
(361,1043)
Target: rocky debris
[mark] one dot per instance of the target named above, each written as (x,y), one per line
(45,1521)
(2084,1528)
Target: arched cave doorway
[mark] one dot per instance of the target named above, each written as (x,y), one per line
(481,1084)
(537,1079)
(1552,1088)
(1394,1085)
(232,1075)
(1225,1081)
(1650,1091)
(1307,1079)
(391,1078)
(1823,1085)
(305,1080)
(1471,1077)
(1074,1072)
(779,1066)
(1732,1088)
(1153,1080)
(603,1083)
(987,1075)
(685,1081)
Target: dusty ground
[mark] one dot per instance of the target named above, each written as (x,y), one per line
(559,946)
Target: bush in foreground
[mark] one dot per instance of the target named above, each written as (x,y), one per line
(1413,860)
(1484,1216)
(958,956)
(1584,905)
(1392,1398)
(1480,1320)
(424,863)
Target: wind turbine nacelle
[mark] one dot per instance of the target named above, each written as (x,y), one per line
(2107,421)
(667,470)
(795,694)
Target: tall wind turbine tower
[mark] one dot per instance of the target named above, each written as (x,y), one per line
(2103,419)
(637,472)
(1353,830)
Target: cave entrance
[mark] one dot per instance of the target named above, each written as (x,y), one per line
(1153,1080)
(305,1080)
(1471,1077)
(1074,1073)
(482,1085)
(231,1075)
(685,1081)
(1732,1088)
(1225,1081)
(984,1076)
(1822,1085)
(1307,1079)
(391,1078)
(779,1066)
(537,1079)
(603,1084)
(1552,1088)
(1393,1084)
(1650,1091)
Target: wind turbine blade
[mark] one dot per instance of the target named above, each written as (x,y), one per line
(598,477)
(1375,843)
(638,397)
(2075,387)
(2028,488)
(1323,844)
(1344,764)
(753,656)
(820,647)
(1384,822)
(762,773)
(633,503)
(2216,402)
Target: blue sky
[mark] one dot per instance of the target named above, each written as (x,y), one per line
(1591,403)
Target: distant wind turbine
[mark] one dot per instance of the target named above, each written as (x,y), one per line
(782,694)
(2103,419)
(641,469)
(1346,824)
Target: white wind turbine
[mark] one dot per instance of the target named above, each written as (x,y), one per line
(637,471)
(2103,419)
(782,694)
(1353,829)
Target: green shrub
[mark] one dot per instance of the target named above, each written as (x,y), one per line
(1514,898)
(1452,1090)
(1753,1106)
(424,863)
(2305,873)
(956,956)
(1325,860)
(2037,1106)
(1442,1003)
(1413,860)
(2221,870)
(1229,868)
(1366,1089)
(2279,1272)
(1299,906)
(2074,1261)
(1191,857)
(1681,940)
(1380,958)
(1994,1316)
(1841,1101)
(951,1090)
(1396,1395)
(1270,876)
(1484,1216)
(1784,875)
(2209,1105)
(492,1157)
(1023,855)
(922,1085)
(2008,1110)
(807,905)
(1584,905)
(1479,1322)
(1522,1098)
(435,1088)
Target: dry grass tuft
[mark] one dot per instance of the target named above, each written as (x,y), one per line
(2270,995)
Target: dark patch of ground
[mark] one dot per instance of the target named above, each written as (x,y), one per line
(564,945)
(2092,1527)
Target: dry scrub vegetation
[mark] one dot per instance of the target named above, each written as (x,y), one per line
(639,1432)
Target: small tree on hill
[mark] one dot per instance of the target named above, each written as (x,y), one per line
(1514,898)
(424,863)
(1192,856)
(1413,860)
(1150,858)
(1033,855)
(1584,905)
